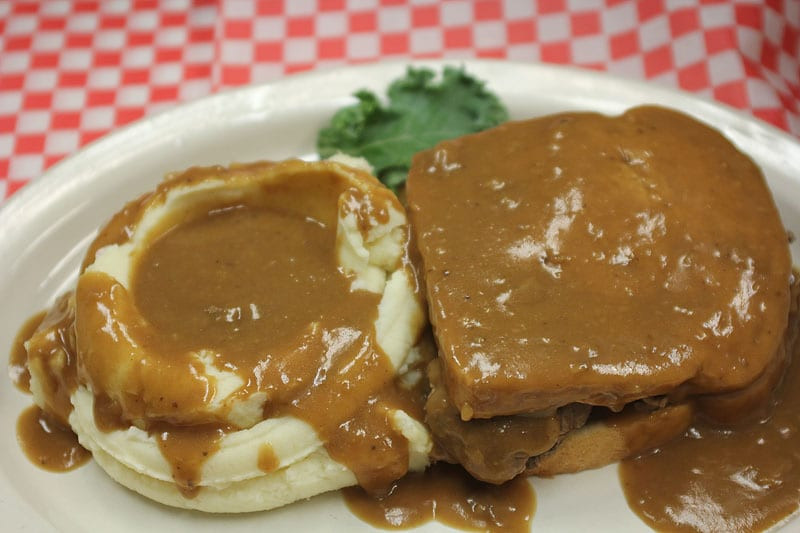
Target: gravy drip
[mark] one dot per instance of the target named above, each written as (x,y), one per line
(52,358)
(741,478)
(186,448)
(448,494)
(45,436)
(267,460)
(47,443)
(18,360)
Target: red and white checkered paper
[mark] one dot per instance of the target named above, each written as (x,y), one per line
(72,70)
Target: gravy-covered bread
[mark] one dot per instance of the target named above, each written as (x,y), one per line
(580,258)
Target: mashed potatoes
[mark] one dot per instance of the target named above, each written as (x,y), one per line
(234,340)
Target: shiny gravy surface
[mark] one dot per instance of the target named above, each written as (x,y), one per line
(744,477)
(448,494)
(556,249)
(47,443)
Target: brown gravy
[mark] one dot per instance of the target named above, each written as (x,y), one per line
(186,449)
(256,283)
(545,289)
(51,357)
(272,308)
(18,360)
(738,478)
(267,460)
(448,494)
(47,443)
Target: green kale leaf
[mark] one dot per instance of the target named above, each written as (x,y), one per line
(419,113)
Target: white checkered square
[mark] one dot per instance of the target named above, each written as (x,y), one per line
(716,15)
(689,49)
(166,74)
(97,118)
(133,96)
(590,50)
(194,89)
(267,72)
(789,68)
(21,25)
(523,52)
(724,68)
(364,45)
(761,94)
(82,23)
(490,34)
(300,50)
(55,7)
(69,99)
(104,78)
(33,121)
(41,80)
(14,62)
(6,145)
(269,28)
(553,27)
(456,13)
(23,167)
(362,5)
(47,41)
(75,59)
(237,52)
(426,41)
(333,24)
(514,9)
(630,67)
(654,33)
(62,142)
(619,18)
(394,19)
(109,39)
(301,7)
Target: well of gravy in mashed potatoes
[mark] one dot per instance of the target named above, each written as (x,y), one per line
(238,328)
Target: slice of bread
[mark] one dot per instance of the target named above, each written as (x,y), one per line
(584,259)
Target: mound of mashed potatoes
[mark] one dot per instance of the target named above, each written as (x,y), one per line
(243,337)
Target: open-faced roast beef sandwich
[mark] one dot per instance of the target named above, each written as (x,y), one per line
(593,282)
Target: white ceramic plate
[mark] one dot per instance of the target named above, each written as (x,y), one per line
(45,228)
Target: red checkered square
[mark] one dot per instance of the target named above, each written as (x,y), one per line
(521,31)
(552,6)
(585,23)
(394,43)
(683,21)
(624,44)
(425,16)
(487,10)
(363,21)
(694,77)
(458,37)
(556,52)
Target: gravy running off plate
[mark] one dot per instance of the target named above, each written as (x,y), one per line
(46,227)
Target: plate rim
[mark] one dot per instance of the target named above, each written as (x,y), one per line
(56,181)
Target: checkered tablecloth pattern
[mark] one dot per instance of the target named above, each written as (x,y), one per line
(71,70)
